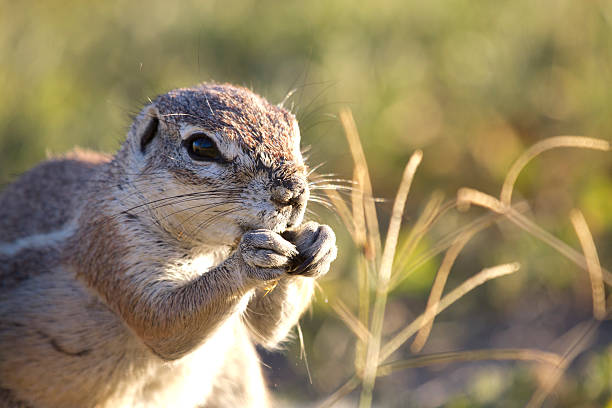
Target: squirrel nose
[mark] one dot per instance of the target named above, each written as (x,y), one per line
(291,192)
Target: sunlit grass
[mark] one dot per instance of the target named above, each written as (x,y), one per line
(592,261)
(381,268)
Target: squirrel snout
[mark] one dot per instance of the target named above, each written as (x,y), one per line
(289,193)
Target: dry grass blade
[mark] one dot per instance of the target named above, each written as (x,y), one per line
(363,176)
(365,263)
(365,227)
(471,283)
(471,355)
(351,321)
(433,210)
(363,282)
(579,344)
(396,221)
(468,196)
(479,224)
(343,391)
(384,275)
(359,222)
(538,148)
(303,351)
(400,338)
(592,261)
(343,211)
(555,242)
(437,288)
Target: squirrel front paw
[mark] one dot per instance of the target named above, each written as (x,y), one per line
(316,245)
(266,254)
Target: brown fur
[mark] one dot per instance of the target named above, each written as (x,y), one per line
(240,115)
(54,188)
(139,280)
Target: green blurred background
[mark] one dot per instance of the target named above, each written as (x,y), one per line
(471,83)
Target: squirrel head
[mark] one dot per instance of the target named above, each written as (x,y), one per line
(211,162)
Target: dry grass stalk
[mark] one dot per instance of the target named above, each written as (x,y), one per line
(365,263)
(589,261)
(592,261)
(404,269)
(384,274)
(471,355)
(564,249)
(539,148)
(343,211)
(352,322)
(363,177)
(363,226)
(537,356)
(365,223)
(341,392)
(359,222)
(469,196)
(437,288)
(468,285)
(405,334)
(303,352)
(363,283)
(432,212)
(579,343)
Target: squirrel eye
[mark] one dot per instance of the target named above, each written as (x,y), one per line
(201,147)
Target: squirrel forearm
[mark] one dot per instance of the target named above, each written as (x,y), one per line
(270,315)
(174,320)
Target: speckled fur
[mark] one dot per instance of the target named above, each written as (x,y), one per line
(139,280)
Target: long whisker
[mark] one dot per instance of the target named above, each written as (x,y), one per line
(192,194)
(331,177)
(333,187)
(320,198)
(184,200)
(323,203)
(205,208)
(210,219)
(331,183)
(315,168)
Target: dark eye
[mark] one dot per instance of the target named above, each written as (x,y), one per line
(201,147)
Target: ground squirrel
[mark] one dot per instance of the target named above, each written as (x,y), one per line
(144,279)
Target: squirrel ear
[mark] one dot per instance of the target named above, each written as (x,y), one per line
(148,129)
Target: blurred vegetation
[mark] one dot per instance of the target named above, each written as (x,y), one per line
(471,83)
